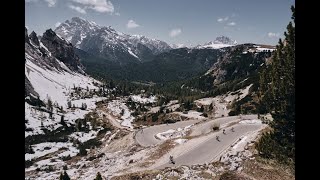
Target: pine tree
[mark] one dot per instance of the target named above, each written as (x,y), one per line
(210,107)
(277,95)
(62,122)
(69,104)
(98,177)
(50,107)
(64,176)
(83,106)
(38,102)
(122,112)
(78,124)
(202,109)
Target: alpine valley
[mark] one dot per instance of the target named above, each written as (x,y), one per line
(102,104)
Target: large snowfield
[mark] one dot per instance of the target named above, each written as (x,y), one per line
(55,84)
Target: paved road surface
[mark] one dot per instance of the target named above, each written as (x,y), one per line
(208,150)
(204,128)
(211,149)
(146,137)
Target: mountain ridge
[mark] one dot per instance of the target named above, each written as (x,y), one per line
(109,43)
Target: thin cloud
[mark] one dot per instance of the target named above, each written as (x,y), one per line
(77,8)
(51,3)
(175,32)
(273,35)
(132,24)
(102,6)
(117,14)
(223,19)
(231,24)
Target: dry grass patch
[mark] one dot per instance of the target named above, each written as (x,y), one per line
(149,174)
(267,170)
(163,149)
(217,164)
(205,175)
(230,175)
(146,164)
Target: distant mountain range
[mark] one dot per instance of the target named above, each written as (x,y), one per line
(107,53)
(108,43)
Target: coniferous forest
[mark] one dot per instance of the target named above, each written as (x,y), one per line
(277,95)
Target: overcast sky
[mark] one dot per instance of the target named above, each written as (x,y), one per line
(188,22)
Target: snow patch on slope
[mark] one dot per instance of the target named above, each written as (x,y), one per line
(43,149)
(221,102)
(215,46)
(55,84)
(119,109)
(141,99)
(173,133)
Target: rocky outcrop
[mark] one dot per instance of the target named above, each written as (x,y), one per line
(62,50)
(110,44)
(34,39)
(28,88)
(26,37)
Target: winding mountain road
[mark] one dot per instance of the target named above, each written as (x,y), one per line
(208,150)
(211,149)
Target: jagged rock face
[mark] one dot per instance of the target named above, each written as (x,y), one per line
(28,88)
(26,37)
(106,43)
(76,30)
(110,44)
(40,55)
(61,49)
(144,52)
(156,46)
(34,39)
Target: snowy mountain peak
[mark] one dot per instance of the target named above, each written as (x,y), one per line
(177,46)
(83,22)
(76,29)
(219,42)
(224,40)
(109,43)
(155,45)
(77,19)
